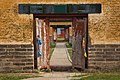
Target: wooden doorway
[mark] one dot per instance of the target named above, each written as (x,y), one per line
(79,43)
(41,29)
(79,30)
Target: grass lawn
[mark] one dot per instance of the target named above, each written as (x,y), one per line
(69,48)
(13,76)
(51,51)
(99,76)
(68,45)
(60,38)
(52,46)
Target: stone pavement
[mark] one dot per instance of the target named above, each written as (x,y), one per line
(57,76)
(59,60)
(60,65)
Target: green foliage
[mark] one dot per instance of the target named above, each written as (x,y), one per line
(52,45)
(60,38)
(69,45)
(51,51)
(13,77)
(69,48)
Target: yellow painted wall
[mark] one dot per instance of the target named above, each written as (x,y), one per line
(18,28)
(14,28)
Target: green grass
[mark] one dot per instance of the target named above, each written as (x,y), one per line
(101,76)
(60,38)
(51,52)
(14,76)
(68,45)
(52,46)
(69,48)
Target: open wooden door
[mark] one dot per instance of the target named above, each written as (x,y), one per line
(41,29)
(78,40)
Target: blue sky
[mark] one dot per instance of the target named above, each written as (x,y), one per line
(58,31)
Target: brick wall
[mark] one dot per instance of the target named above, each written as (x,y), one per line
(104,56)
(16,57)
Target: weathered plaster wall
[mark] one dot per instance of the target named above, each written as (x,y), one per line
(103,28)
(14,28)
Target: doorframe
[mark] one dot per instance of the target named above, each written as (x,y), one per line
(50,16)
(34,43)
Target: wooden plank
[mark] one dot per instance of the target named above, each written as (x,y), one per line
(43,44)
(44,62)
(60,23)
(68,16)
(34,42)
(78,59)
(47,44)
(59,8)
